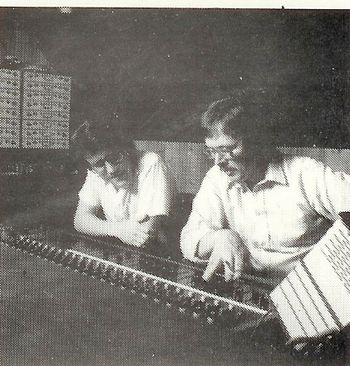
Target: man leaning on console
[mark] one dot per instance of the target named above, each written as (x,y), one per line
(257,210)
(133,188)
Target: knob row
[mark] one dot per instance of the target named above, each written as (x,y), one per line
(186,301)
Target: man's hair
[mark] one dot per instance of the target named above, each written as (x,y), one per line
(90,138)
(247,116)
(224,114)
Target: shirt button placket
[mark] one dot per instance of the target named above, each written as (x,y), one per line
(256,218)
(268,242)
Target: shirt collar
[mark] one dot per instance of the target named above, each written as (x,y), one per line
(274,173)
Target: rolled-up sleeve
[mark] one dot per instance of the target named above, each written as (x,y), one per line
(156,189)
(90,191)
(328,192)
(207,216)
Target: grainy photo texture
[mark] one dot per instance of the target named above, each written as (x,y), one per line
(174,187)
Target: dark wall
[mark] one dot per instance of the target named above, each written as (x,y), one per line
(159,68)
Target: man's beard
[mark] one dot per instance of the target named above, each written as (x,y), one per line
(233,172)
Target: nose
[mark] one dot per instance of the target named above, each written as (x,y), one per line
(109,168)
(220,157)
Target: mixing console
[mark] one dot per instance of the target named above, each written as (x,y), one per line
(174,283)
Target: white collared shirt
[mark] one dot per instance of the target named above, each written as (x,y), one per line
(153,196)
(279,220)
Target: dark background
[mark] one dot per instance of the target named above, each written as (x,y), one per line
(158,69)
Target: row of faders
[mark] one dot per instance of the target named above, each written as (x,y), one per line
(9,108)
(175,284)
(46,110)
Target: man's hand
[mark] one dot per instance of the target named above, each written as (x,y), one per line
(155,227)
(228,253)
(133,233)
(150,226)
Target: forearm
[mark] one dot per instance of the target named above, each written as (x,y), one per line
(206,245)
(207,216)
(88,223)
(128,231)
(208,242)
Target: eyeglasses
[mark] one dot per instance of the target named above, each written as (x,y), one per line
(114,158)
(229,151)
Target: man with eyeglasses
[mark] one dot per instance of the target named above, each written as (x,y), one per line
(132,188)
(257,210)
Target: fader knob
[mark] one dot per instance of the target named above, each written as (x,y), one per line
(125,279)
(138,283)
(195,315)
(157,292)
(197,311)
(30,245)
(45,250)
(51,254)
(82,265)
(38,248)
(14,243)
(41,249)
(171,294)
(185,302)
(90,270)
(69,256)
(154,294)
(79,264)
(115,276)
(211,312)
(99,269)
(147,287)
(59,256)
(108,273)
(74,262)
